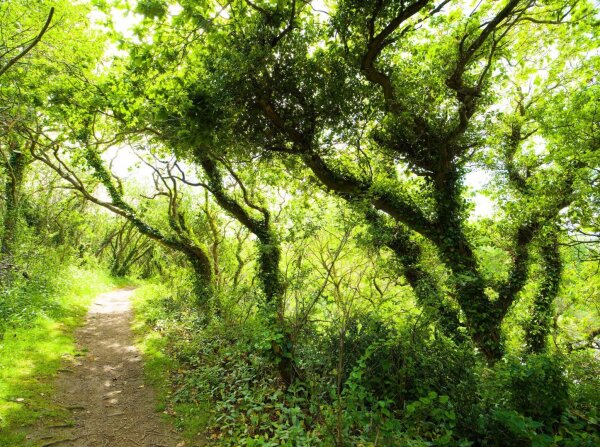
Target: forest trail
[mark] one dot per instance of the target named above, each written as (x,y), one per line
(104,388)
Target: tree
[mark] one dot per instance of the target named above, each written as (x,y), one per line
(13,51)
(182,239)
(33,75)
(384,111)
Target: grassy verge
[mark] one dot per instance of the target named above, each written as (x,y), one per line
(32,352)
(190,419)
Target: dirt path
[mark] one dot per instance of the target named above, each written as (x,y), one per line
(104,389)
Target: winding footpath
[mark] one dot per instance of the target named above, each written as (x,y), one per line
(104,389)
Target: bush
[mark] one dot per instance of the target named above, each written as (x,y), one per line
(537,385)
(396,386)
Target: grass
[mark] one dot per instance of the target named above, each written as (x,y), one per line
(32,352)
(151,343)
(190,419)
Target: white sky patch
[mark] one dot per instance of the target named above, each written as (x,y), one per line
(536,144)
(113,52)
(175,10)
(476,180)
(125,164)
(320,9)
(484,207)
(125,22)
(224,13)
(97,18)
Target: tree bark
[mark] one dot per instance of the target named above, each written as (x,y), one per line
(269,273)
(538,327)
(12,197)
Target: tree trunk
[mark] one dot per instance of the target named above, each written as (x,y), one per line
(268,267)
(483,317)
(274,288)
(203,277)
(538,328)
(12,197)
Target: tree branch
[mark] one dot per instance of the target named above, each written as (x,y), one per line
(35,41)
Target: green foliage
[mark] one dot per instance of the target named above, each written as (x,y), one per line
(36,338)
(538,387)
(395,387)
(301,199)
(583,373)
(27,298)
(235,391)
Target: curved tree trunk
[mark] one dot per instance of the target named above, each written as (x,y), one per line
(199,260)
(269,273)
(427,291)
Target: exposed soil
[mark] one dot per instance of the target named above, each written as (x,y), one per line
(104,388)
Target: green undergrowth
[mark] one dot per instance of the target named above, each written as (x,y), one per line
(397,386)
(35,341)
(191,419)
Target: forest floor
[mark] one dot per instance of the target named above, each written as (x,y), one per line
(103,387)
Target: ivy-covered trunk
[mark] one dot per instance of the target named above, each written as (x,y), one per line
(409,263)
(268,265)
(538,327)
(203,277)
(483,317)
(12,196)
(272,283)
